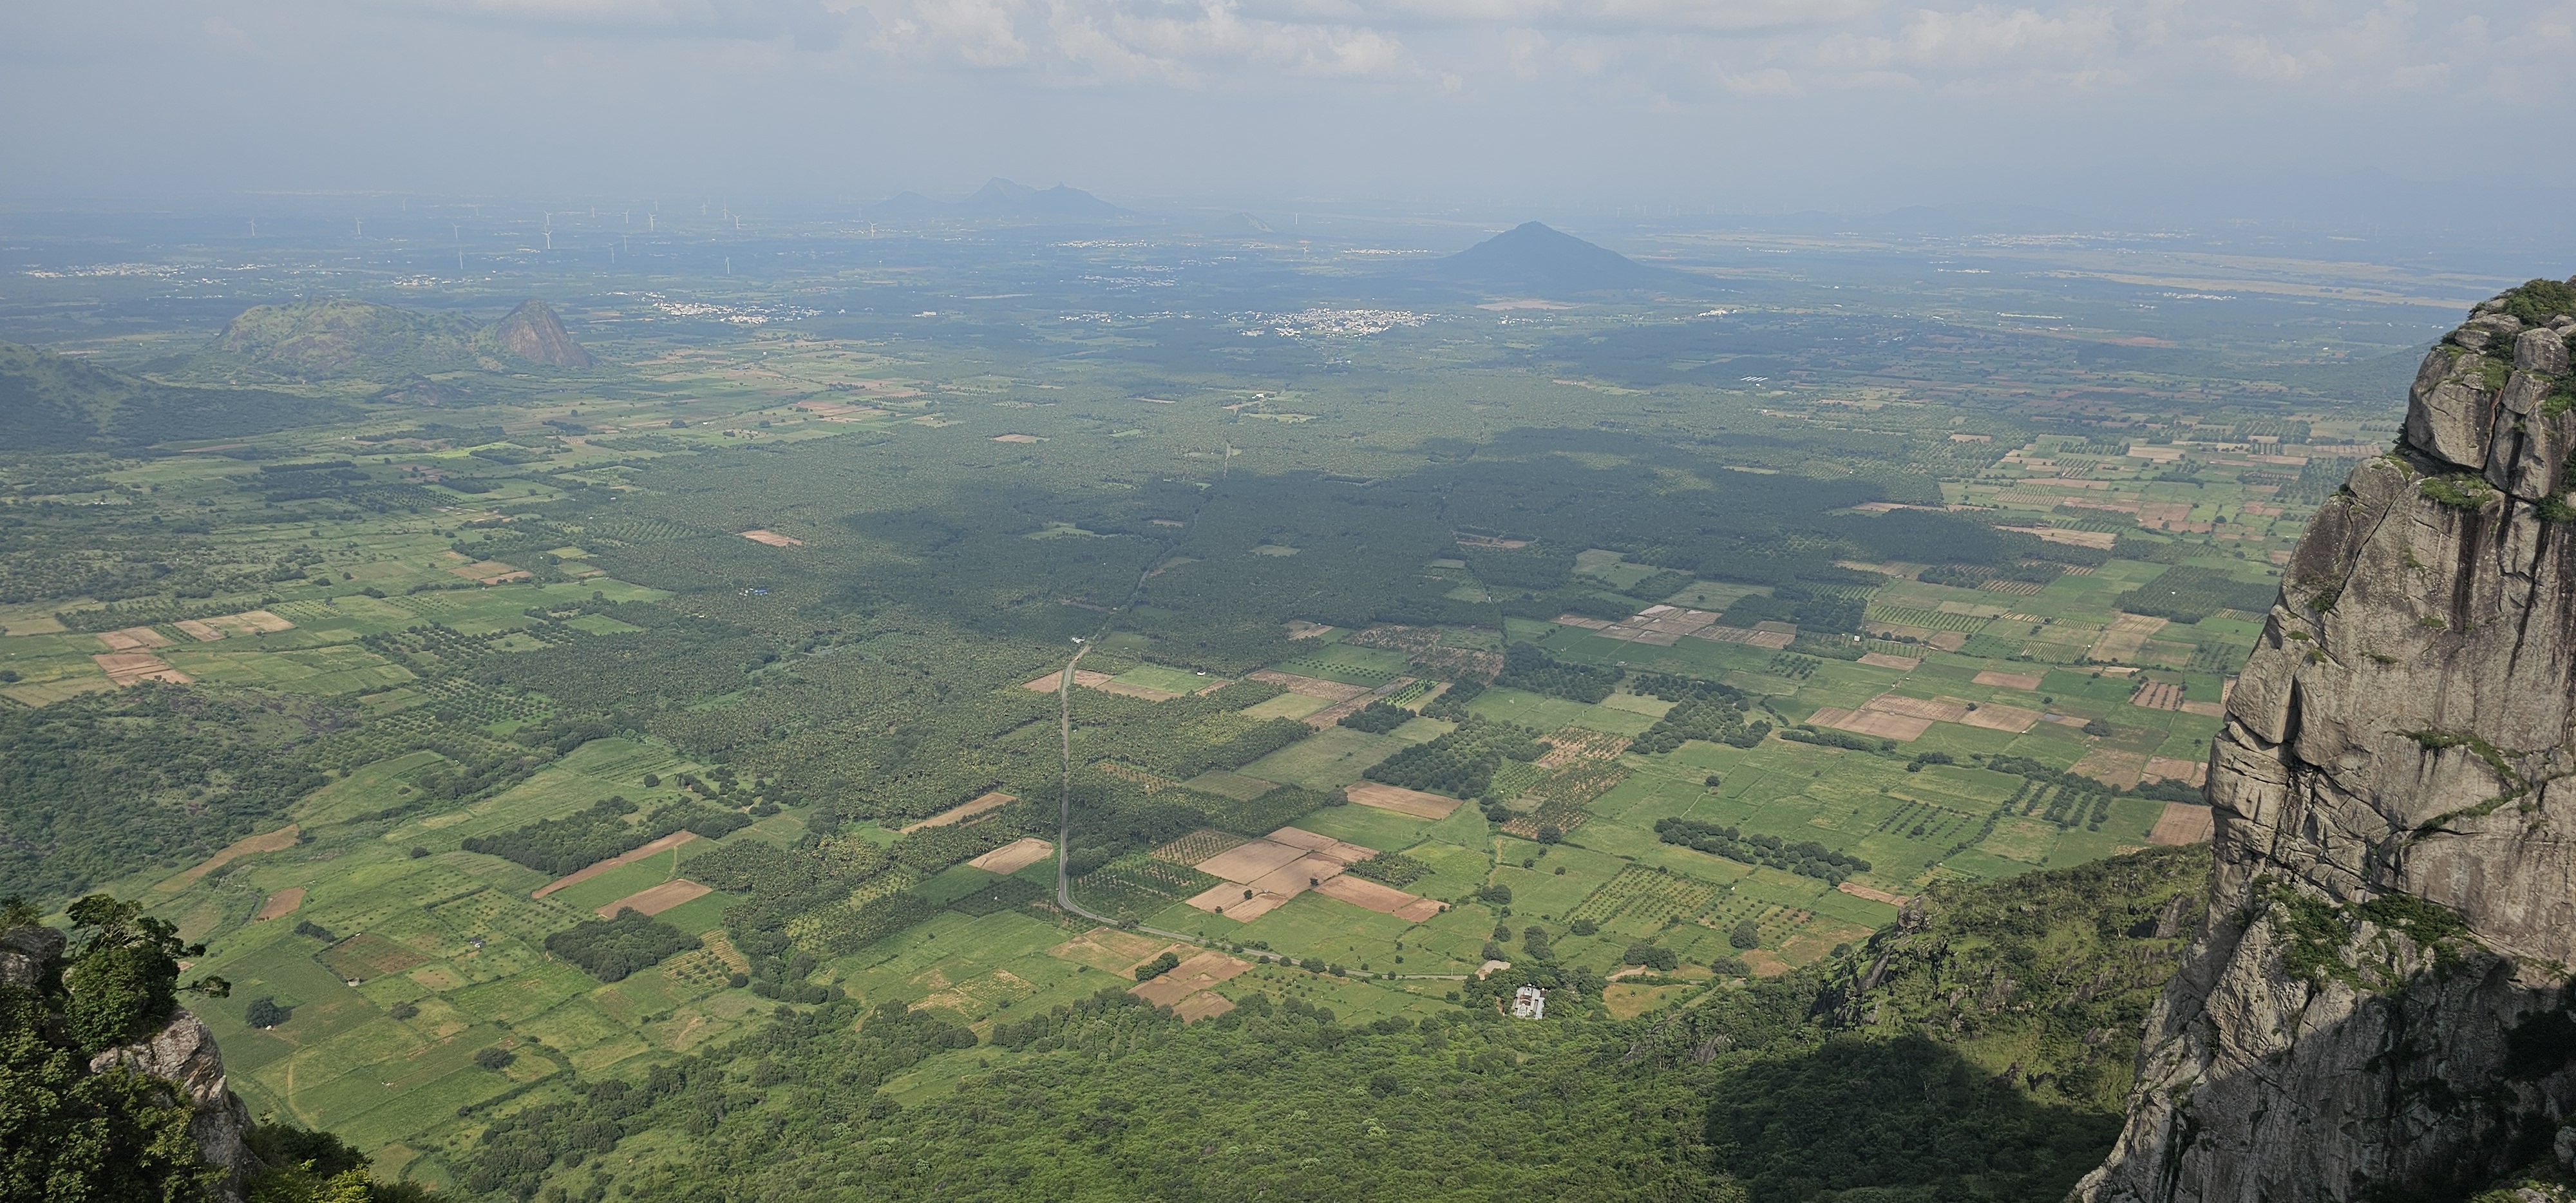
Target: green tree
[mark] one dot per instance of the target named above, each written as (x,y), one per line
(125,980)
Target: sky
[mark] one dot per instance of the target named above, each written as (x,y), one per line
(2200,110)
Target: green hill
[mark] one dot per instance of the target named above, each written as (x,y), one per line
(51,402)
(342,338)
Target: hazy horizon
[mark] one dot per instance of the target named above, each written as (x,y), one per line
(2133,112)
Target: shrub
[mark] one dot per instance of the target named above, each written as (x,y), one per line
(494,1057)
(1157,967)
(263,1012)
(1730,967)
(402,1010)
(1657,958)
(1745,935)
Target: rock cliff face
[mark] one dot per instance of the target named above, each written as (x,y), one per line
(2379,1005)
(184,1052)
(533,333)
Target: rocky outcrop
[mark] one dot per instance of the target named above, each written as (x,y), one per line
(533,333)
(29,955)
(2378,1007)
(184,1052)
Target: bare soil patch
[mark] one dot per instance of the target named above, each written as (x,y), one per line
(1189,977)
(1015,438)
(2005,680)
(1081,676)
(1858,890)
(279,905)
(275,841)
(1298,876)
(773,538)
(2183,823)
(1871,722)
(1939,712)
(658,899)
(2002,718)
(1229,899)
(656,848)
(2168,768)
(2126,637)
(1325,845)
(1402,801)
(1369,895)
(127,668)
(1250,861)
(1108,948)
(133,639)
(198,631)
(963,811)
(1330,691)
(2112,767)
(1206,1004)
(1014,856)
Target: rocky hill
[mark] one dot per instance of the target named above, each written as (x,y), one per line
(1536,258)
(2379,1005)
(339,338)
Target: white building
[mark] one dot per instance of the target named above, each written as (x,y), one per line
(1529,1002)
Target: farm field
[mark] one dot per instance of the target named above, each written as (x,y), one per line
(757,605)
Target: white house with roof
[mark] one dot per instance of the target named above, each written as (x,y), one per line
(1529,1002)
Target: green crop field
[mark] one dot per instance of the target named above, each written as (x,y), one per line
(795,702)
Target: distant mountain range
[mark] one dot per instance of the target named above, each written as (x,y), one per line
(999,200)
(1537,259)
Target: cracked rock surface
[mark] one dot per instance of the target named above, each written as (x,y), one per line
(2399,738)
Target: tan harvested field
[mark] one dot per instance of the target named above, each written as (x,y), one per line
(773,538)
(2205,709)
(1249,861)
(1384,899)
(2005,680)
(1857,890)
(1340,850)
(279,905)
(1402,801)
(1110,949)
(2183,823)
(126,668)
(1884,660)
(2126,637)
(1191,976)
(1081,676)
(1228,899)
(658,899)
(1206,1004)
(1872,722)
(198,631)
(2168,768)
(489,572)
(1202,844)
(133,639)
(1330,691)
(2111,767)
(1939,712)
(1015,438)
(963,811)
(578,876)
(1577,620)
(1015,856)
(275,841)
(1124,689)
(1748,636)
(250,622)
(2002,718)
(1298,876)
